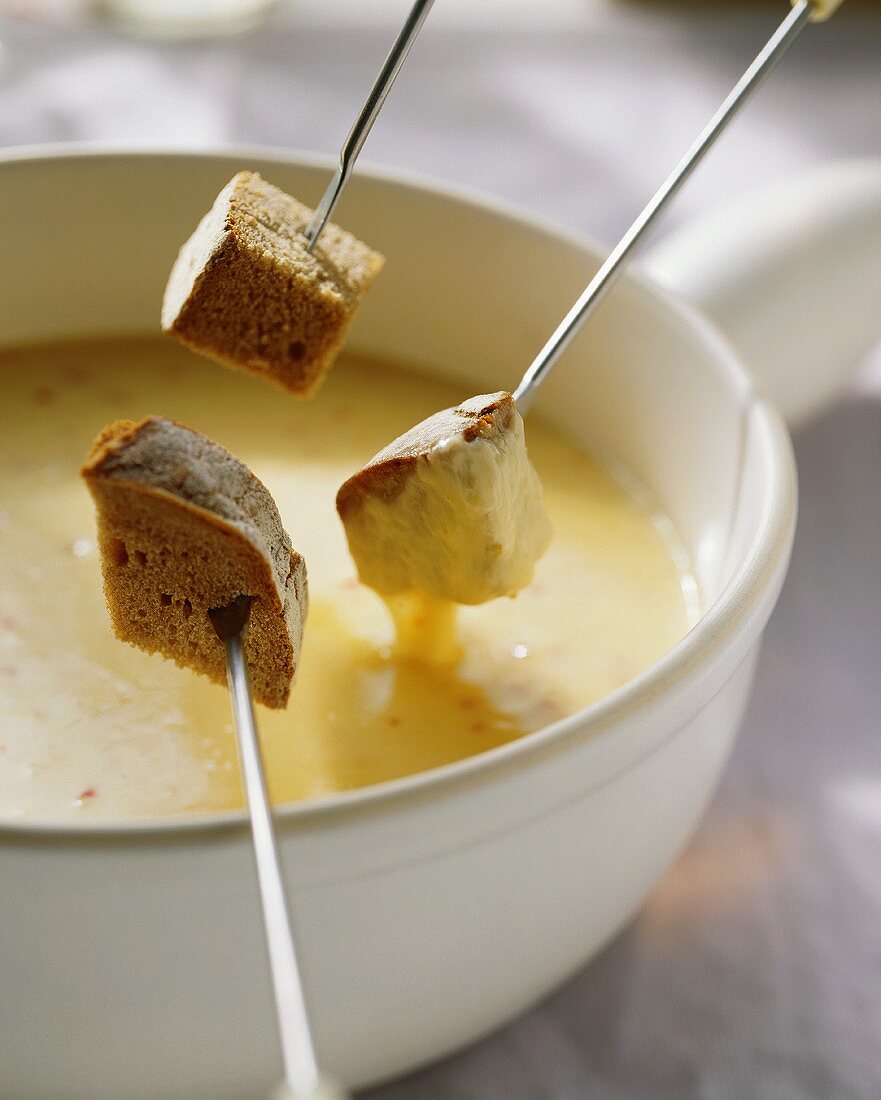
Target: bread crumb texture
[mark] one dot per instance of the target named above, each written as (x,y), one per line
(183,527)
(246,291)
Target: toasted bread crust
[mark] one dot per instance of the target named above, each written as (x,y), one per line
(167,558)
(386,474)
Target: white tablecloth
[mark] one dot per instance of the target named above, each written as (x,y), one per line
(754,971)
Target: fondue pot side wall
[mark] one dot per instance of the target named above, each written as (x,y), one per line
(433,908)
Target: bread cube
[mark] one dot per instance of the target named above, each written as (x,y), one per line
(453,508)
(246,291)
(183,528)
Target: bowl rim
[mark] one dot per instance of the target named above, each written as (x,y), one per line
(757,572)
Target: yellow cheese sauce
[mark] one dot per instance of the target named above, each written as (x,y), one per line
(93,729)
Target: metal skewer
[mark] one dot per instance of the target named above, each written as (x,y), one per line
(366,118)
(803,12)
(302,1078)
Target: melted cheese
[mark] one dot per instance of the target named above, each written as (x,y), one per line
(92,729)
(468,524)
(426,630)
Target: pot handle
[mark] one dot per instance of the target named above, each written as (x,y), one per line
(791,273)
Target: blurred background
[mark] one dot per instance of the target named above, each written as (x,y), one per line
(754,971)
(577,108)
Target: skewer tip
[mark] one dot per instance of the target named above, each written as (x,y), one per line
(232,619)
(821,10)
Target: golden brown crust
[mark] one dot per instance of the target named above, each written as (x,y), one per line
(166,561)
(386,474)
(257,299)
(109,439)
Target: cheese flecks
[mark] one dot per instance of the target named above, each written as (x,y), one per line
(81,713)
(453,509)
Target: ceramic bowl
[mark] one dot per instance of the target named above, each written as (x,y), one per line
(433,908)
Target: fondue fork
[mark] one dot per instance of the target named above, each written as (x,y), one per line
(302,1078)
(803,12)
(367,116)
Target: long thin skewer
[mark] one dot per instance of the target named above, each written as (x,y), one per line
(801,14)
(367,116)
(302,1078)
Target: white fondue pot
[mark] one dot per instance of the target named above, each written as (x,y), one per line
(433,908)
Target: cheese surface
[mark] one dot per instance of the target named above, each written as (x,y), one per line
(464,520)
(91,729)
